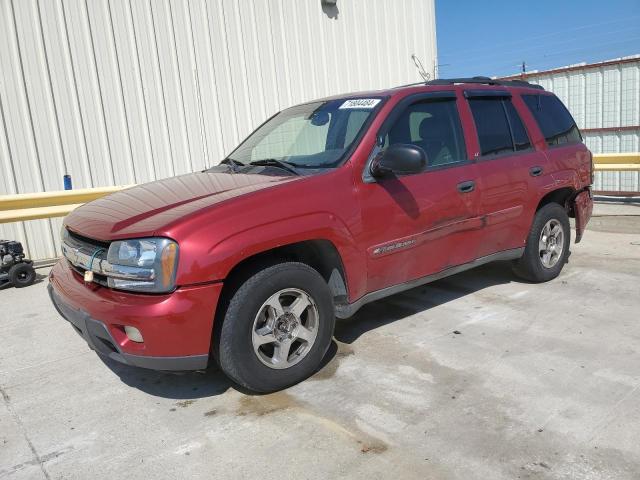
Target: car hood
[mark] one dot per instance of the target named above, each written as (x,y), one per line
(145,209)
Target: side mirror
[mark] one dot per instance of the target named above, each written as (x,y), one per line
(399,159)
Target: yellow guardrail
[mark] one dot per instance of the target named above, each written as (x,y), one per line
(625,162)
(32,206)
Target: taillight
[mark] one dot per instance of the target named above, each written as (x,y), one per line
(593,170)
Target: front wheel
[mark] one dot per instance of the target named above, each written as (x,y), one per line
(277,328)
(547,246)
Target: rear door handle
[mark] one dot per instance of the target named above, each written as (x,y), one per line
(466,187)
(535,171)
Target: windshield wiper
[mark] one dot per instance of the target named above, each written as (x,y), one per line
(233,164)
(274,162)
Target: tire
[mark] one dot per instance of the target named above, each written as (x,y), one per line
(249,320)
(22,275)
(535,265)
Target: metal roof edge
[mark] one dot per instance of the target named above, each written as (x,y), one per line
(570,68)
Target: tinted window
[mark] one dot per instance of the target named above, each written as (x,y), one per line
(354,124)
(433,126)
(492,125)
(555,121)
(415,120)
(520,138)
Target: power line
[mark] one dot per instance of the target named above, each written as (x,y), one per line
(543,64)
(552,34)
(549,46)
(540,66)
(591,48)
(529,58)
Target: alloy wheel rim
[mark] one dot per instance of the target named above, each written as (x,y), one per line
(551,243)
(285,328)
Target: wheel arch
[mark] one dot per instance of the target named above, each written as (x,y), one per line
(320,254)
(562,196)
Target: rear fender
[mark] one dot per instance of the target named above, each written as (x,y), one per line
(581,205)
(566,178)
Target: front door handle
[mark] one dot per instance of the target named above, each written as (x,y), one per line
(466,187)
(535,171)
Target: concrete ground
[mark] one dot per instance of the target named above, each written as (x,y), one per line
(542,381)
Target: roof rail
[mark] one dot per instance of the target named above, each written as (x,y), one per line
(484,81)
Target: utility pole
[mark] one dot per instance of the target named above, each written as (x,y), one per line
(524,70)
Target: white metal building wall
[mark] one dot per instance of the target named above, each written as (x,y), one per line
(606,96)
(116,92)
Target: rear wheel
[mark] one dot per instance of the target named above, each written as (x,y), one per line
(277,328)
(547,246)
(22,275)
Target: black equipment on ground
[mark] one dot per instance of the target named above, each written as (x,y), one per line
(14,267)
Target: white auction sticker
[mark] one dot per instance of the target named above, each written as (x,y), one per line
(360,103)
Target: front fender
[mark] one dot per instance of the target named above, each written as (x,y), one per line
(228,252)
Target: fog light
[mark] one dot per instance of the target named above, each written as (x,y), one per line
(133,333)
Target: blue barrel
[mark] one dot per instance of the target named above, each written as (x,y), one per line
(67,182)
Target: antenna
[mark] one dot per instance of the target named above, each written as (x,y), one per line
(416,61)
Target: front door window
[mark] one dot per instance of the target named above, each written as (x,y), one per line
(433,126)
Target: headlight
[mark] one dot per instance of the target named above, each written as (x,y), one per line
(144,265)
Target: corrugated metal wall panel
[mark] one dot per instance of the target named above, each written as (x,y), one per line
(127,91)
(602,97)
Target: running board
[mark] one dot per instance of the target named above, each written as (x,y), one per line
(348,309)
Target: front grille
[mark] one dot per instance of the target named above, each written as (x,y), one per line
(88,241)
(97,277)
(78,250)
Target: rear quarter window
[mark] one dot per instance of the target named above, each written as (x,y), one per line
(553,118)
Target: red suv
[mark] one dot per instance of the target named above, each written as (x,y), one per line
(325,207)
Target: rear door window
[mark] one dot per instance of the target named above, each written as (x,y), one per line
(500,129)
(520,138)
(553,118)
(492,126)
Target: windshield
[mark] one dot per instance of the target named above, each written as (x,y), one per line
(312,136)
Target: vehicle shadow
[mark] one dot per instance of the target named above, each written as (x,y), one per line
(212,382)
(186,385)
(177,386)
(388,310)
(401,195)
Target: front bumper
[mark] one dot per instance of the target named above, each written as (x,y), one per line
(176,327)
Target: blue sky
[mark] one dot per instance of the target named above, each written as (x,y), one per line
(493,37)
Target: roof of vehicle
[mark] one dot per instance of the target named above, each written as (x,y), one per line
(439,84)
(478,81)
